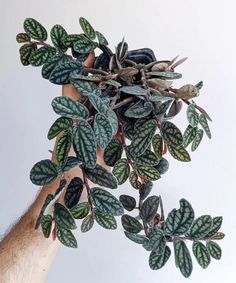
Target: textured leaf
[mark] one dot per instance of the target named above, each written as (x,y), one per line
(161,108)
(63,217)
(142,138)
(200,227)
(131,224)
(183,258)
(201,254)
(133,179)
(179,220)
(58,34)
(192,115)
(22,37)
(87,28)
(214,250)
(58,126)
(66,237)
(46,224)
(63,147)
(43,172)
(163,166)
(139,111)
(35,30)
(26,51)
(171,134)
(102,130)
(148,172)
(145,190)
(48,199)
(157,261)
(101,38)
(41,55)
(165,75)
(157,241)
(80,210)
(85,88)
(128,202)
(204,124)
(197,139)
(84,45)
(97,103)
(189,135)
(134,90)
(69,108)
(112,117)
(85,144)
(73,192)
(107,221)
(70,39)
(148,158)
(218,236)
(149,208)
(159,98)
(113,152)
(174,109)
(87,224)
(51,64)
(99,175)
(106,202)
(138,239)
(179,153)
(121,170)
(216,224)
(157,144)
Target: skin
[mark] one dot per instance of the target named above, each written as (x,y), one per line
(25,255)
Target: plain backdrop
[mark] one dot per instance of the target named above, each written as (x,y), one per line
(202,30)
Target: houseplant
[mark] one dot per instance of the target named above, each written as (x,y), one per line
(125,101)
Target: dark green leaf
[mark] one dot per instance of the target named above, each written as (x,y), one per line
(149,208)
(113,119)
(22,37)
(58,126)
(131,224)
(66,237)
(128,202)
(51,64)
(58,34)
(192,115)
(133,179)
(87,224)
(163,166)
(70,39)
(183,258)
(174,109)
(113,152)
(179,153)
(214,250)
(189,135)
(216,224)
(157,144)
(85,88)
(87,28)
(97,103)
(60,187)
(165,75)
(148,158)
(197,139)
(84,45)
(80,211)
(99,175)
(41,55)
(157,261)
(63,147)
(134,90)
(63,217)
(139,111)
(35,30)
(171,134)
(101,38)
(200,227)
(201,254)
(161,108)
(48,199)
(159,98)
(203,122)
(148,172)
(107,221)
(138,239)
(46,224)
(73,192)
(157,240)
(102,130)
(43,172)
(121,170)
(145,190)
(26,51)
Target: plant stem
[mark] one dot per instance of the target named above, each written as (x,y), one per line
(88,193)
(41,43)
(123,102)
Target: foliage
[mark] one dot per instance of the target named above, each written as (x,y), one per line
(122,99)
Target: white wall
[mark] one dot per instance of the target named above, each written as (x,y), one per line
(204,31)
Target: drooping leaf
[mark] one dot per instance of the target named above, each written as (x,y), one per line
(201,254)
(22,37)
(99,175)
(197,139)
(179,220)
(138,239)
(35,30)
(189,135)
(174,109)
(85,144)
(134,90)
(133,179)
(71,163)
(163,166)
(80,210)
(145,190)
(85,88)
(113,119)
(142,138)
(139,111)
(148,158)
(41,55)
(218,236)
(106,202)
(101,38)
(51,64)
(84,45)
(200,227)
(179,153)
(121,170)
(66,237)
(157,261)
(113,152)
(73,192)
(43,172)
(203,122)
(46,224)
(214,250)
(98,103)
(63,147)
(87,224)
(58,34)
(165,75)
(161,108)
(183,258)
(148,172)
(157,144)
(149,208)
(160,98)
(128,130)
(128,202)
(192,115)
(63,217)
(102,130)
(105,220)
(87,28)
(157,240)
(171,134)
(131,224)
(26,51)
(216,224)
(47,201)
(58,126)
(60,188)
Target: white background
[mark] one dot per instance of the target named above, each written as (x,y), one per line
(202,30)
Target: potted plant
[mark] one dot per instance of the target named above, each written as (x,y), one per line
(120,102)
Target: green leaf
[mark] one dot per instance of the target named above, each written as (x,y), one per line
(218,236)
(133,179)
(99,175)
(69,108)
(121,170)
(97,103)
(112,117)
(47,201)
(63,147)
(157,144)
(84,45)
(183,258)
(134,90)
(46,224)
(70,39)
(171,134)
(113,152)
(145,190)
(85,88)
(35,30)
(148,158)
(148,172)
(61,73)
(149,208)
(165,75)
(41,55)
(87,28)
(192,115)
(159,98)
(87,224)
(179,153)
(22,37)
(200,227)
(61,124)
(161,108)
(73,192)
(142,138)
(203,122)
(174,109)
(102,130)
(157,240)
(214,250)
(216,224)
(66,237)
(43,172)
(60,187)
(189,135)
(80,210)
(101,38)
(163,166)
(51,64)
(157,261)
(106,202)
(63,217)
(71,163)
(197,139)
(179,220)
(131,224)
(26,51)
(138,239)
(85,144)
(128,202)
(58,34)
(139,111)
(201,254)
(107,221)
